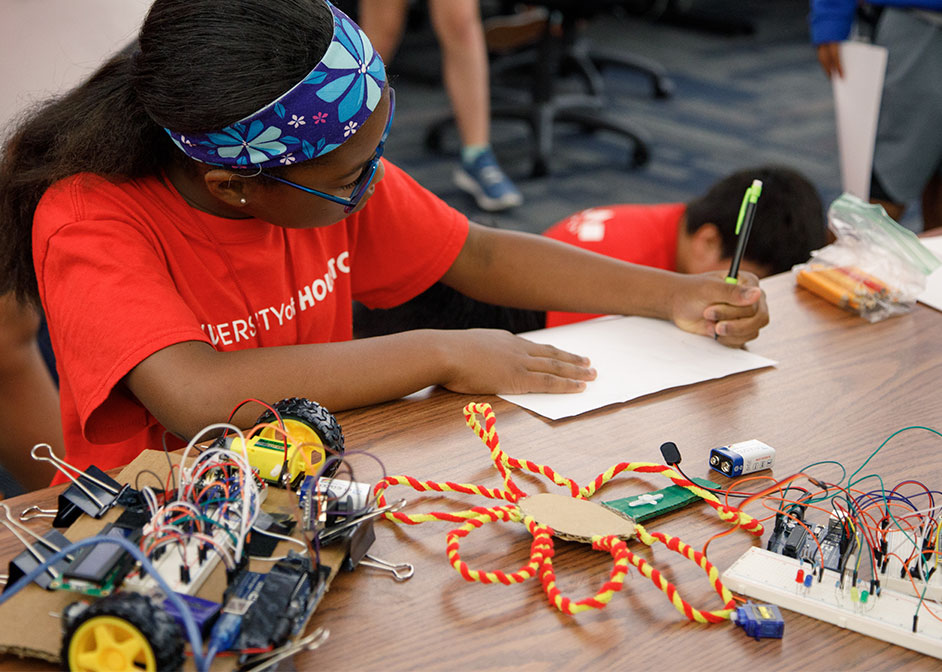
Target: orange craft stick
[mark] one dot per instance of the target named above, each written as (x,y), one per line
(828,290)
(842,280)
(864,278)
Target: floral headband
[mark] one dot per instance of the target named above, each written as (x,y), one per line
(314,117)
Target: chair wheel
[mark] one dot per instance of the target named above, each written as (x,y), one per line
(639,156)
(540,168)
(663,88)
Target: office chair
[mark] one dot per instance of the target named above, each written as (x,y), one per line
(562,50)
(600,58)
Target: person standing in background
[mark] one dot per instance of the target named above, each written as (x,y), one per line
(457,25)
(907,158)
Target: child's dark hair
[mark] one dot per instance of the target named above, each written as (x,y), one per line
(198,65)
(789,221)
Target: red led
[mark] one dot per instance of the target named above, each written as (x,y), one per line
(800,577)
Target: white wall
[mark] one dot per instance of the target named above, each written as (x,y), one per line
(47,46)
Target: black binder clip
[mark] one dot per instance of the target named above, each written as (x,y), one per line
(92,491)
(36,553)
(359,535)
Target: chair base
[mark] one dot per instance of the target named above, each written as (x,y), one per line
(582,111)
(561,52)
(661,84)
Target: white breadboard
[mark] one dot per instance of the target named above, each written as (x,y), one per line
(900,545)
(770,577)
(168,566)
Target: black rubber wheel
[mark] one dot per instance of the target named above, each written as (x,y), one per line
(144,632)
(316,417)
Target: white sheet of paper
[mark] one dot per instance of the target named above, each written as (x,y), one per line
(857,106)
(634,356)
(932,296)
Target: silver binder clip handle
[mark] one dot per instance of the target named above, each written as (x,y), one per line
(31,512)
(400,572)
(22,533)
(314,640)
(66,470)
(309,643)
(332,531)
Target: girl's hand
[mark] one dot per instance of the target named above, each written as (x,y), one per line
(491,361)
(733,314)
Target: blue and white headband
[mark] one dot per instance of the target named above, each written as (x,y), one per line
(314,117)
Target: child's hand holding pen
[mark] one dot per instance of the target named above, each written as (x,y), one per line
(731,313)
(738,317)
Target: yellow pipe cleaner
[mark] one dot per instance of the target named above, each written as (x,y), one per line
(542,550)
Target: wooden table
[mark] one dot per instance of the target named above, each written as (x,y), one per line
(840,388)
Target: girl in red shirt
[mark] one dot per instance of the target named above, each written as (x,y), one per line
(197,217)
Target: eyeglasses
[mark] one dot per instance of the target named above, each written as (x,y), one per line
(366,177)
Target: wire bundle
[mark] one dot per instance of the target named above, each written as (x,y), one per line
(216,502)
(871,517)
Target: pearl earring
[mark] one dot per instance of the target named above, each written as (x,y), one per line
(243,201)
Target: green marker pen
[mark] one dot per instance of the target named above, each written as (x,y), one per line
(747,212)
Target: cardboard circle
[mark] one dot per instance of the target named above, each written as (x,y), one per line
(576,519)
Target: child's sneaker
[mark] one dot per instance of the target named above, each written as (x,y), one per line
(491,188)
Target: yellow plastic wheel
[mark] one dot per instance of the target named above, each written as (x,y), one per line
(298,430)
(313,428)
(124,631)
(110,644)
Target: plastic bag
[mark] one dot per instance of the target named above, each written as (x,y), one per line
(875,268)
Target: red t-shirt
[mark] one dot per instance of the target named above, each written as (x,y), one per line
(640,234)
(127,269)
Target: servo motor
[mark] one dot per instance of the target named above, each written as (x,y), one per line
(745,457)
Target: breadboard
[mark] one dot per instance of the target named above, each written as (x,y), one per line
(168,566)
(770,577)
(900,545)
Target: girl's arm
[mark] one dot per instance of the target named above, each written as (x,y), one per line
(29,400)
(527,271)
(189,385)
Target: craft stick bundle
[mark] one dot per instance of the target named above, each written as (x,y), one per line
(845,286)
